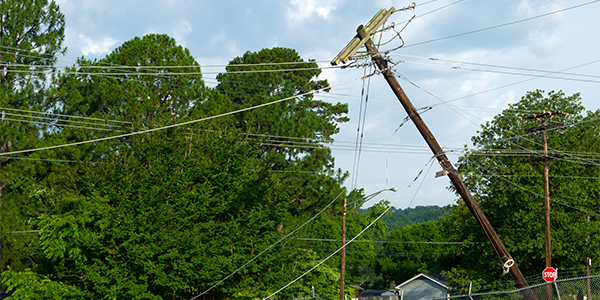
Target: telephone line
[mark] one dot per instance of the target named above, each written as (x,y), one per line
(57,120)
(60,125)
(496,66)
(504,72)
(62,115)
(168,73)
(8,64)
(501,25)
(179,124)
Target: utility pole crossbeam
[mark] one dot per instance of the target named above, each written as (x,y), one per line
(363,34)
(461,188)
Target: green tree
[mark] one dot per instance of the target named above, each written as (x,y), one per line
(31,37)
(361,256)
(141,84)
(420,214)
(508,187)
(171,213)
(271,74)
(289,134)
(167,219)
(414,249)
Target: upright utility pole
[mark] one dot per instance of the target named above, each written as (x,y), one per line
(343,267)
(545,158)
(588,263)
(363,36)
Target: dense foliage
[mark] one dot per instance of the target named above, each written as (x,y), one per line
(508,187)
(166,219)
(399,217)
(169,213)
(31,36)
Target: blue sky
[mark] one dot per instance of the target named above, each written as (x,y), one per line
(217,31)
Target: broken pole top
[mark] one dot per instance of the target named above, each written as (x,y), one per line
(362,35)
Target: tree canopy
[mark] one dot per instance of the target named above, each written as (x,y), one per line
(31,37)
(508,187)
(248,84)
(166,215)
(139,84)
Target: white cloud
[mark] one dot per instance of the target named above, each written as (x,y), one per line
(528,9)
(305,9)
(96,47)
(218,37)
(182,30)
(542,39)
(544,44)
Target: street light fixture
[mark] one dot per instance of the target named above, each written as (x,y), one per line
(361,201)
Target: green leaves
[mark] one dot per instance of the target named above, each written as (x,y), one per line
(272,74)
(147,87)
(39,287)
(508,187)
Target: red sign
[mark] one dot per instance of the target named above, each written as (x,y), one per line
(549,274)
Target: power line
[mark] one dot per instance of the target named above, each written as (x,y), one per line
(497,66)
(553,200)
(439,8)
(43,159)
(169,73)
(58,120)
(143,67)
(515,83)
(502,25)
(382,242)
(60,125)
(269,248)
(507,73)
(62,115)
(351,240)
(180,124)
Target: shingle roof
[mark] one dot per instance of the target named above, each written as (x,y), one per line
(435,277)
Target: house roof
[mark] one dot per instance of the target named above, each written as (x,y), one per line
(435,277)
(367,293)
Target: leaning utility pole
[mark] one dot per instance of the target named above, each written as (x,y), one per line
(545,158)
(363,37)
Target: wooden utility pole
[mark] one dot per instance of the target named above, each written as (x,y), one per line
(343,267)
(545,158)
(363,35)
(588,263)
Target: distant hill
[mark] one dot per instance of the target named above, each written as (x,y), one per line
(420,214)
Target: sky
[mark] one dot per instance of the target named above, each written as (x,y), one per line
(536,37)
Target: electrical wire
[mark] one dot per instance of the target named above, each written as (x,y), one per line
(58,120)
(503,72)
(419,187)
(60,125)
(183,123)
(387,242)
(137,67)
(502,25)
(438,9)
(552,200)
(354,238)
(169,73)
(62,115)
(496,66)
(361,131)
(43,159)
(269,248)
